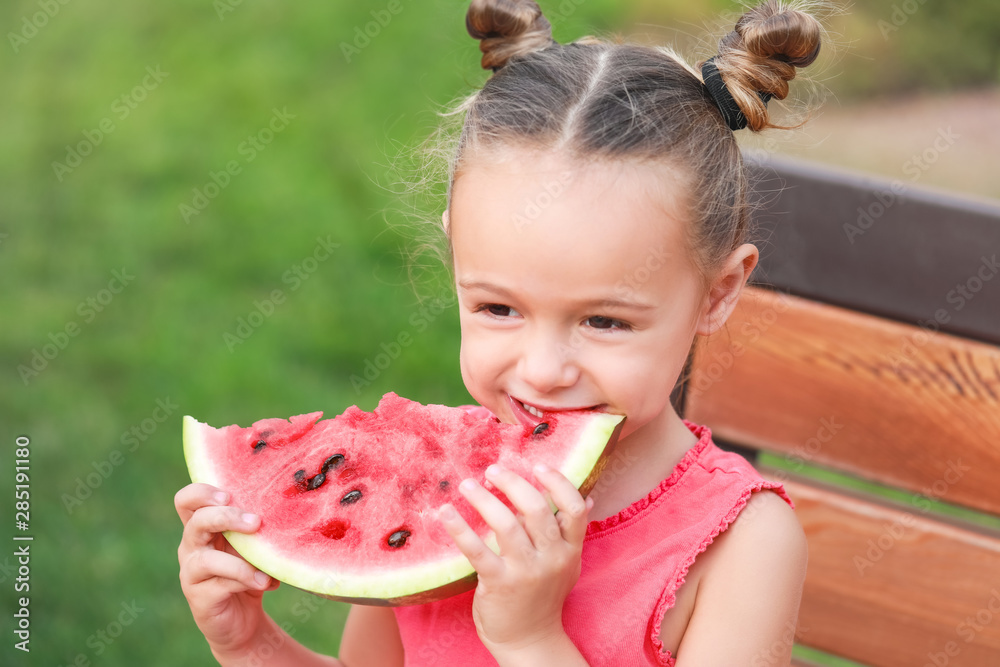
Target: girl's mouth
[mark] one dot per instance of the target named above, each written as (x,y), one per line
(532,415)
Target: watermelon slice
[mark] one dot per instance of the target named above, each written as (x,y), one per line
(348,504)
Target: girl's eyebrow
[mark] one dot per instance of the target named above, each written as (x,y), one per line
(484,285)
(610,302)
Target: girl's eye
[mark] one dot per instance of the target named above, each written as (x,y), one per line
(607,323)
(497,310)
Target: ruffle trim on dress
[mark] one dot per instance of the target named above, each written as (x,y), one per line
(690,457)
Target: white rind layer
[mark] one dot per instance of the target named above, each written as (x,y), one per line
(385,584)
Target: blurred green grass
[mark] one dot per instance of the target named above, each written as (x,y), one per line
(327,175)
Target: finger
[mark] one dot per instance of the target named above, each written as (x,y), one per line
(573,509)
(539,522)
(195,496)
(204,526)
(232,573)
(511,535)
(482,558)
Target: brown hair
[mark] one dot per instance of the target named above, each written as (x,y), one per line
(596,100)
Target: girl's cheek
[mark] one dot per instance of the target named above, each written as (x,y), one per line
(473,363)
(463,363)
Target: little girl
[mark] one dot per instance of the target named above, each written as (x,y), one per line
(597,222)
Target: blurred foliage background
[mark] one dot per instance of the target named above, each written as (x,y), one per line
(123,311)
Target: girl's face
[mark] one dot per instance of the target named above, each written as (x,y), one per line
(574,287)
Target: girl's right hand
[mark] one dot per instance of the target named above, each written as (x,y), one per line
(223,590)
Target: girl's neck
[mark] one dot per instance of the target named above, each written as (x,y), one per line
(639,463)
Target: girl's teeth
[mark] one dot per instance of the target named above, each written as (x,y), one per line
(532,410)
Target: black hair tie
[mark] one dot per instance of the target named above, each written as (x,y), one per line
(731,112)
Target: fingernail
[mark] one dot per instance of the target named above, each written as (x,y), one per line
(493,470)
(221,497)
(467,485)
(447,512)
(542,468)
(249,519)
(261,579)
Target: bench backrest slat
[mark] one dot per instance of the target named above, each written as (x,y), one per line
(892,587)
(883,400)
(922,253)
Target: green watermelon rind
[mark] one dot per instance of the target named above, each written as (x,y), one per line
(398,585)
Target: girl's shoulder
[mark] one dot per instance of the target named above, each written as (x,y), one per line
(758,563)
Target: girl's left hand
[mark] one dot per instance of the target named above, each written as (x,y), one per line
(520,594)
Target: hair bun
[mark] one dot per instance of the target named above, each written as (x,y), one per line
(789,36)
(761,54)
(507,28)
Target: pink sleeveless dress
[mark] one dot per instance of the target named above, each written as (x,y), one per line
(632,566)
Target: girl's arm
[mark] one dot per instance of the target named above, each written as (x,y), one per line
(748,599)
(371,638)
(275,648)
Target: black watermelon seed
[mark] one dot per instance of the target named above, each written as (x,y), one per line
(443,485)
(316,482)
(300,475)
(332,462)
(259,446)
(351,497)
(541,428)
(398,539)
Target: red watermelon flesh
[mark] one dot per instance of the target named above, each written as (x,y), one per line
(348,505)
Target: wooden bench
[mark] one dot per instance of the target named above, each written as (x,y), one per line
(862,369)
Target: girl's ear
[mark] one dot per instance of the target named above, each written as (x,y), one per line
(725,289)
(445,222)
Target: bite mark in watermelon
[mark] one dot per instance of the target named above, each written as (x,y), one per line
(348,505)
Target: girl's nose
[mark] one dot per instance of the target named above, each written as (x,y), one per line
(548,362)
